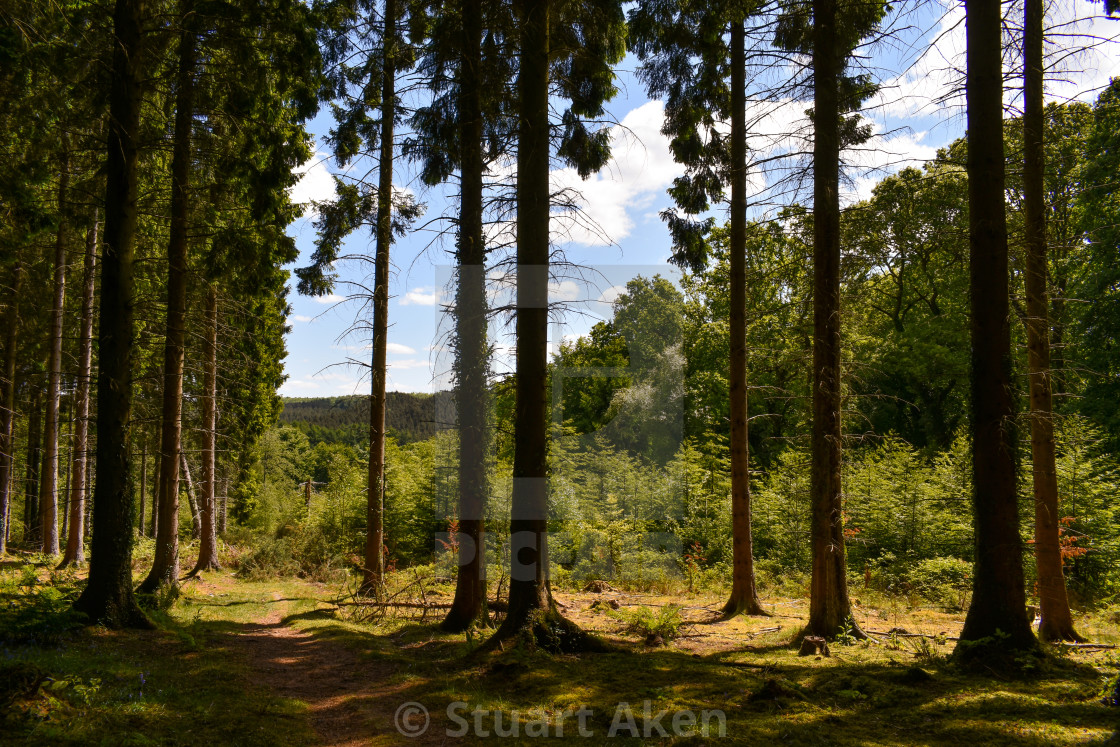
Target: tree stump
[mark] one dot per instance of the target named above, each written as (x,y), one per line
(813,645)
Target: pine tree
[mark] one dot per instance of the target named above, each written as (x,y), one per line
(696,57)
(582,45)
(1057,622)
(368,57)
(997,613)
(107,598)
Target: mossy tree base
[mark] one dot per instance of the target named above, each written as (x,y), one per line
(748,605)
(998,654)
(210,566)
(115,612)
(460,622)
(547,630)
(1060,634)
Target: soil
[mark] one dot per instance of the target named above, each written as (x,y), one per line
(350,699)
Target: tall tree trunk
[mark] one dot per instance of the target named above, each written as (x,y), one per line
(223,512)
(531,608)
(8,405)
(373,572)
(208,547)
(48,482)
(89,503)
(744,595)
(1057,622)
(154,521)
(192,497)
(143,487)
(107,598)
(75,550)
(998,597)
(165,565)
(32,534)
(829,605)
(469,604)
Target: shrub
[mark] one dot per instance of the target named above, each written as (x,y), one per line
(663,622)
(943,581)
(35,613)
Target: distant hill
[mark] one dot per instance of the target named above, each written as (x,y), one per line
(408,417)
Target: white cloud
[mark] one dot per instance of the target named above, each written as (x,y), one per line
(408,363)
(932,81)
(299,318)
(610,295)
(563,290)
(294,385)
(330,298)
(641,167)
(392,348)
(424,296)
(315,184)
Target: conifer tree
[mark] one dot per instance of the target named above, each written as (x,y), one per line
(997,614)
(572,51)
(695,56)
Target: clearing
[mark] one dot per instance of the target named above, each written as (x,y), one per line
(282,662)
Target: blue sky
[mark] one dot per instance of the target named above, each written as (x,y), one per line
(619,234)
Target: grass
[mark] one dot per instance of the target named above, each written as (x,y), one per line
(186,684)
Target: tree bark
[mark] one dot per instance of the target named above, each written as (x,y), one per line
(8,405)
(998,597)
(531,608)
(744,595)
(48,482)
(107,598)
(208,547)
(192,498)
(829,605)
(223,512)
(154,521)
(469,604)
(75,545)
(32,534)
(143,488)
(1057,622)
(373,573)
(165,565)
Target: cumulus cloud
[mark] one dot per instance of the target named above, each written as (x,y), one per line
(392,348)
(292,386)
(423,296)
(1081,58)
(408,363)
(610,295)
(299,318)
(563,290)
(330,298)
(316,184)
(641,167)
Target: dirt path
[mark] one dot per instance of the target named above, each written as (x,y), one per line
(349,698)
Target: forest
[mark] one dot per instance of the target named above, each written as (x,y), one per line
(846,472)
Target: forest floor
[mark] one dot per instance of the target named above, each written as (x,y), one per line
(292,662)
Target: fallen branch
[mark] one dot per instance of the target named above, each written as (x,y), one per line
(889,633)
(408,605)
(746,665)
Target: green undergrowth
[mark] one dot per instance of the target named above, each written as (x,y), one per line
(73,685)
(181,684)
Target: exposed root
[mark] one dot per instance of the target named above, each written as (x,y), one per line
(547,630)
(748,606)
